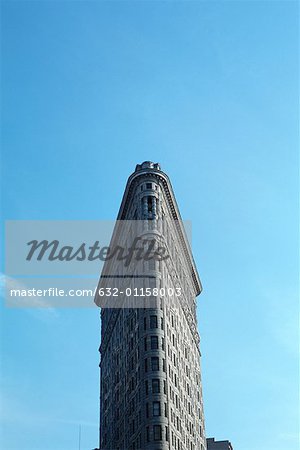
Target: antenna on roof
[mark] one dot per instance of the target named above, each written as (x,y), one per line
(79,437)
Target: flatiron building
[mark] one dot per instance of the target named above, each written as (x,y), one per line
(150,376)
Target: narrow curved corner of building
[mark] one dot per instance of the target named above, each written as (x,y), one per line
(150,376)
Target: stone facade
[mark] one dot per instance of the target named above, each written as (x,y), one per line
(151,390)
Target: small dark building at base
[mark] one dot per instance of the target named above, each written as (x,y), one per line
(218,445)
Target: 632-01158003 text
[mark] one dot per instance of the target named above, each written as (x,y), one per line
(139,292)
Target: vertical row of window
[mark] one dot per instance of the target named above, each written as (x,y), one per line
(149,207)
(178,366)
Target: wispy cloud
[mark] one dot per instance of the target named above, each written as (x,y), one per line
(294,437)
(35,306)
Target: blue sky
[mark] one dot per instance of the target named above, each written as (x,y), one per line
(209,90)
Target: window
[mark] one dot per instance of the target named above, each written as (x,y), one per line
(147,409)
(145,344)
(153,321)
(146,387)
(146,365)
(145,323)
(156,409)
(148,185)
(162,323)
(157,432)
(154,342)
(154,363)
(161,300)
(167,434)
(147,434)
(149,200)
(155,386)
